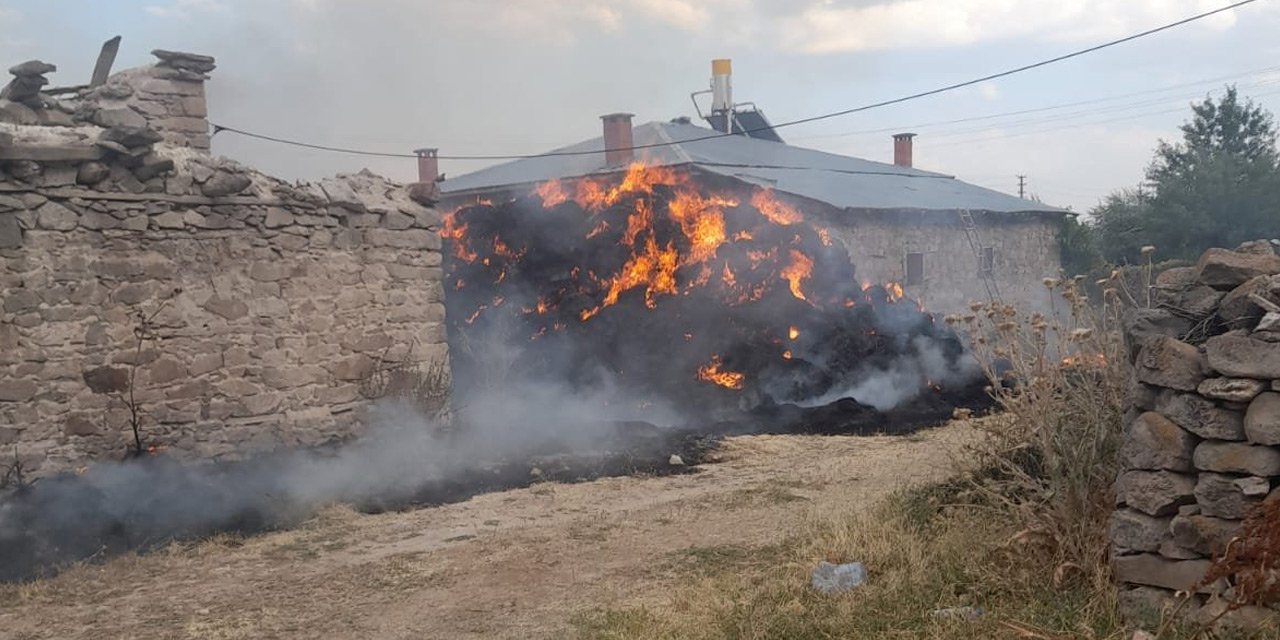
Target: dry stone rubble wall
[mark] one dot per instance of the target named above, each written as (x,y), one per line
(264,307)
(1202,441)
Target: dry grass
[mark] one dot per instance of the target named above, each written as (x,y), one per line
(921,555)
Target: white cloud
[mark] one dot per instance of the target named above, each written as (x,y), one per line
(909,24)
(682,14)
(185,9)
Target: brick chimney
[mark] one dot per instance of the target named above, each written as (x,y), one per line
(617,139)
(428,165)
(902,149)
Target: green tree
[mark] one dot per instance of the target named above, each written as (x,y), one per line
(1079,245)
(1121,225)
(1218,186)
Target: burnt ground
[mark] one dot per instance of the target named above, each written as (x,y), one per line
(70,519)
(519,563)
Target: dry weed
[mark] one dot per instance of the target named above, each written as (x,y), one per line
(1061,379)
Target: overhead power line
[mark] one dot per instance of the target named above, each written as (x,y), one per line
(1077,125)
(1052,107)
(217,128)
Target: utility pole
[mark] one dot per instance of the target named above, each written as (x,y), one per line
(1022,186)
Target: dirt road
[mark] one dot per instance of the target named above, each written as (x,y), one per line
(516,564)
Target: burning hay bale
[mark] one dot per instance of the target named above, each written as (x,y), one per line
(684,293)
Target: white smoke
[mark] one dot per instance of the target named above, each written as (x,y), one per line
(905,378)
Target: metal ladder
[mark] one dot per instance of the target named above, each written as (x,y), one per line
(975,243)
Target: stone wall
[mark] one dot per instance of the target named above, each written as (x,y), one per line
(1025,252)
(1202,442)
(234,311)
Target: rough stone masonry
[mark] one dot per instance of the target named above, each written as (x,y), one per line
(227,310)
(1202,442)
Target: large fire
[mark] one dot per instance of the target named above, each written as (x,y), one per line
(657,276)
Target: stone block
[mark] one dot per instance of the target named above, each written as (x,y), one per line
(118,117)
(1224,269)
(1237,457)
(169,220)
(10,231)
(107,379)
(1253,486)
(1173,551)
(340,193)
(131,293)
(1249,619)
(257,405)
(1201,416)
(1155,571)
(277,217)
(1134,531)
(80,426)
(224,183)
(15,390)
(269,271)
(166,370)
(355,367)
(1155,493)
(1220,496)
(1262,420)
(1154,442)
(1170,363)
(194,107)
(1241,356)
(204,363)
(1142,326)
(20,300)
(183,124)
(424,193)
(52,215)
(1237,310)
(171,87)
(1231,389)
(397,221)
(1147,606)
(1203,534)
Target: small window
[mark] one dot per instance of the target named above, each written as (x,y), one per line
(987,262)
(915,269)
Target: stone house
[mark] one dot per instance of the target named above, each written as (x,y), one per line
(221,309)
(946,241)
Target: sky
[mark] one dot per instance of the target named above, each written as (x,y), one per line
(525,76)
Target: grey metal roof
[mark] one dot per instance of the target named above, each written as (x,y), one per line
(841,181)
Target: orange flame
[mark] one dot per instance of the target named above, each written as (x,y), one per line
(786,355)
(702,221)
(776,211)
(727,277)
(639,220)
(1096,360)
(655,269)
(728,379)
(458,234)
(795,273)
(894,290)
(639,179)
(552,193)
(793,333)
